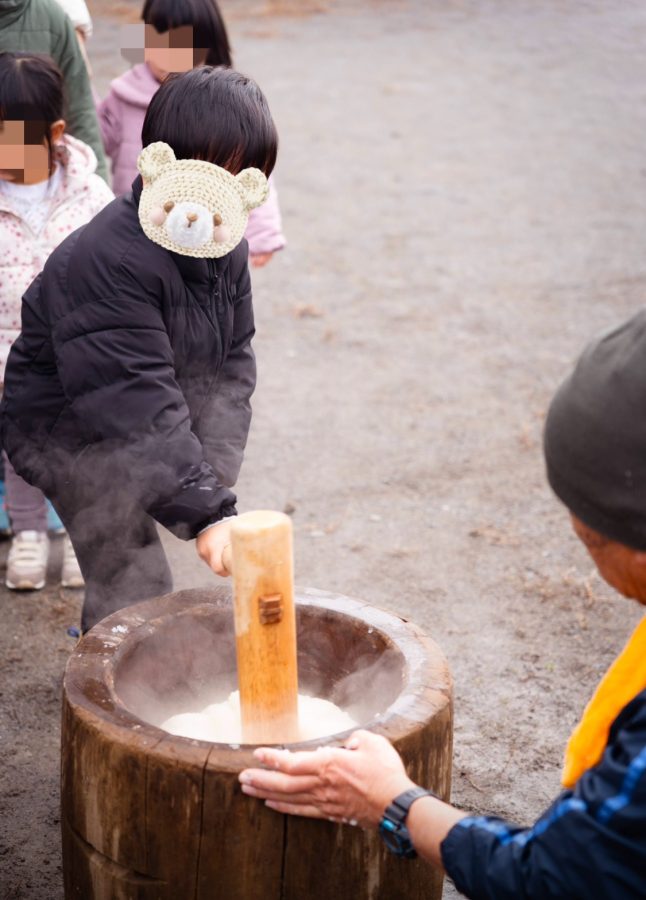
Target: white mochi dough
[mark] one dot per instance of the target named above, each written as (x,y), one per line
(317,718)
(192,725)
(221,723)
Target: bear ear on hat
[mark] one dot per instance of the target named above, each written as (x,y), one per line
(153,159)
(254,185)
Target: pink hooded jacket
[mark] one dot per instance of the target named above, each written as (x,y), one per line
(23,253)
(121,117)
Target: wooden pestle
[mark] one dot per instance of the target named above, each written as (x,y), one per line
(265,625)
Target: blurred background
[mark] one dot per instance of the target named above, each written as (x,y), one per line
(463,194)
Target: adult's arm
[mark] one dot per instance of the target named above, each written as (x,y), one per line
(590,843)
(353,784)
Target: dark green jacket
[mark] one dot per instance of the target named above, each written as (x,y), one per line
(42,27)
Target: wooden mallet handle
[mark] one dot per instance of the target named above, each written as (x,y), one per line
(261,560)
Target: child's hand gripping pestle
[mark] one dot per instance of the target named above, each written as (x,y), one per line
(260,560)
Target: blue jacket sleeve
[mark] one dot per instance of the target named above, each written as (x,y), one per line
(591,843)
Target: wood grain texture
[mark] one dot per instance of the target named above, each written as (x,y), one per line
(242,843)
(265,624)
(148,816)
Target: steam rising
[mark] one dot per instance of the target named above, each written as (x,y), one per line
(188,663)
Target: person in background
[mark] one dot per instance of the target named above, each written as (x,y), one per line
(81,19)
(591,841)
(48,188)
(41,26)
(178,35)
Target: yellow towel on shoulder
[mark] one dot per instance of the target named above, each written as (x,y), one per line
(625,678)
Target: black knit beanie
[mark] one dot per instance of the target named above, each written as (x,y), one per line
(595,436)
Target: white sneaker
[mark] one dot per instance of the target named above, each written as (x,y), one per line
(27,561)
(71,576)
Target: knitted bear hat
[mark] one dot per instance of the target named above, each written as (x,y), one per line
(194,207)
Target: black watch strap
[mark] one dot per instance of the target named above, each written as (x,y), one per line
(393,823)
(398,809)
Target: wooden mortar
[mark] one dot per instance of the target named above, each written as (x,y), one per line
(150,816)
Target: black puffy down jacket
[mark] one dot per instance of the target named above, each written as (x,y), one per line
(134,363)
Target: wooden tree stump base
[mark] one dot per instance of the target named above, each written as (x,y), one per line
(150,816)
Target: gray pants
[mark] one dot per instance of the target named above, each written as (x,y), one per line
(26,505)
(115,540)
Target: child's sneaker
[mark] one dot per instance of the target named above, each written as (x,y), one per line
(71,576)
(27,561)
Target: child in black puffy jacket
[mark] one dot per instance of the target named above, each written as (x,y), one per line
(127,393)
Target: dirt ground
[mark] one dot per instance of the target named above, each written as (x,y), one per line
(464,194)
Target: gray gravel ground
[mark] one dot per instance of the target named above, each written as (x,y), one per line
(463,187)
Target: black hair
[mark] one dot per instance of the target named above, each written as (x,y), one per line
(31,91)
(214,114)
(209,30)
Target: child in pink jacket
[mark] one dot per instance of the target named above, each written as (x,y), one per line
(48,188)
(178,35)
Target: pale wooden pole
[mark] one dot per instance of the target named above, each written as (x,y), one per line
(261,562)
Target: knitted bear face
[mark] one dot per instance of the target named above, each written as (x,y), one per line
(194,207)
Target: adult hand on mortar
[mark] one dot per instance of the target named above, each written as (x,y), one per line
(352,784)
(211,544)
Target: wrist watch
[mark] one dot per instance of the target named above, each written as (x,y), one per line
(393,828)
